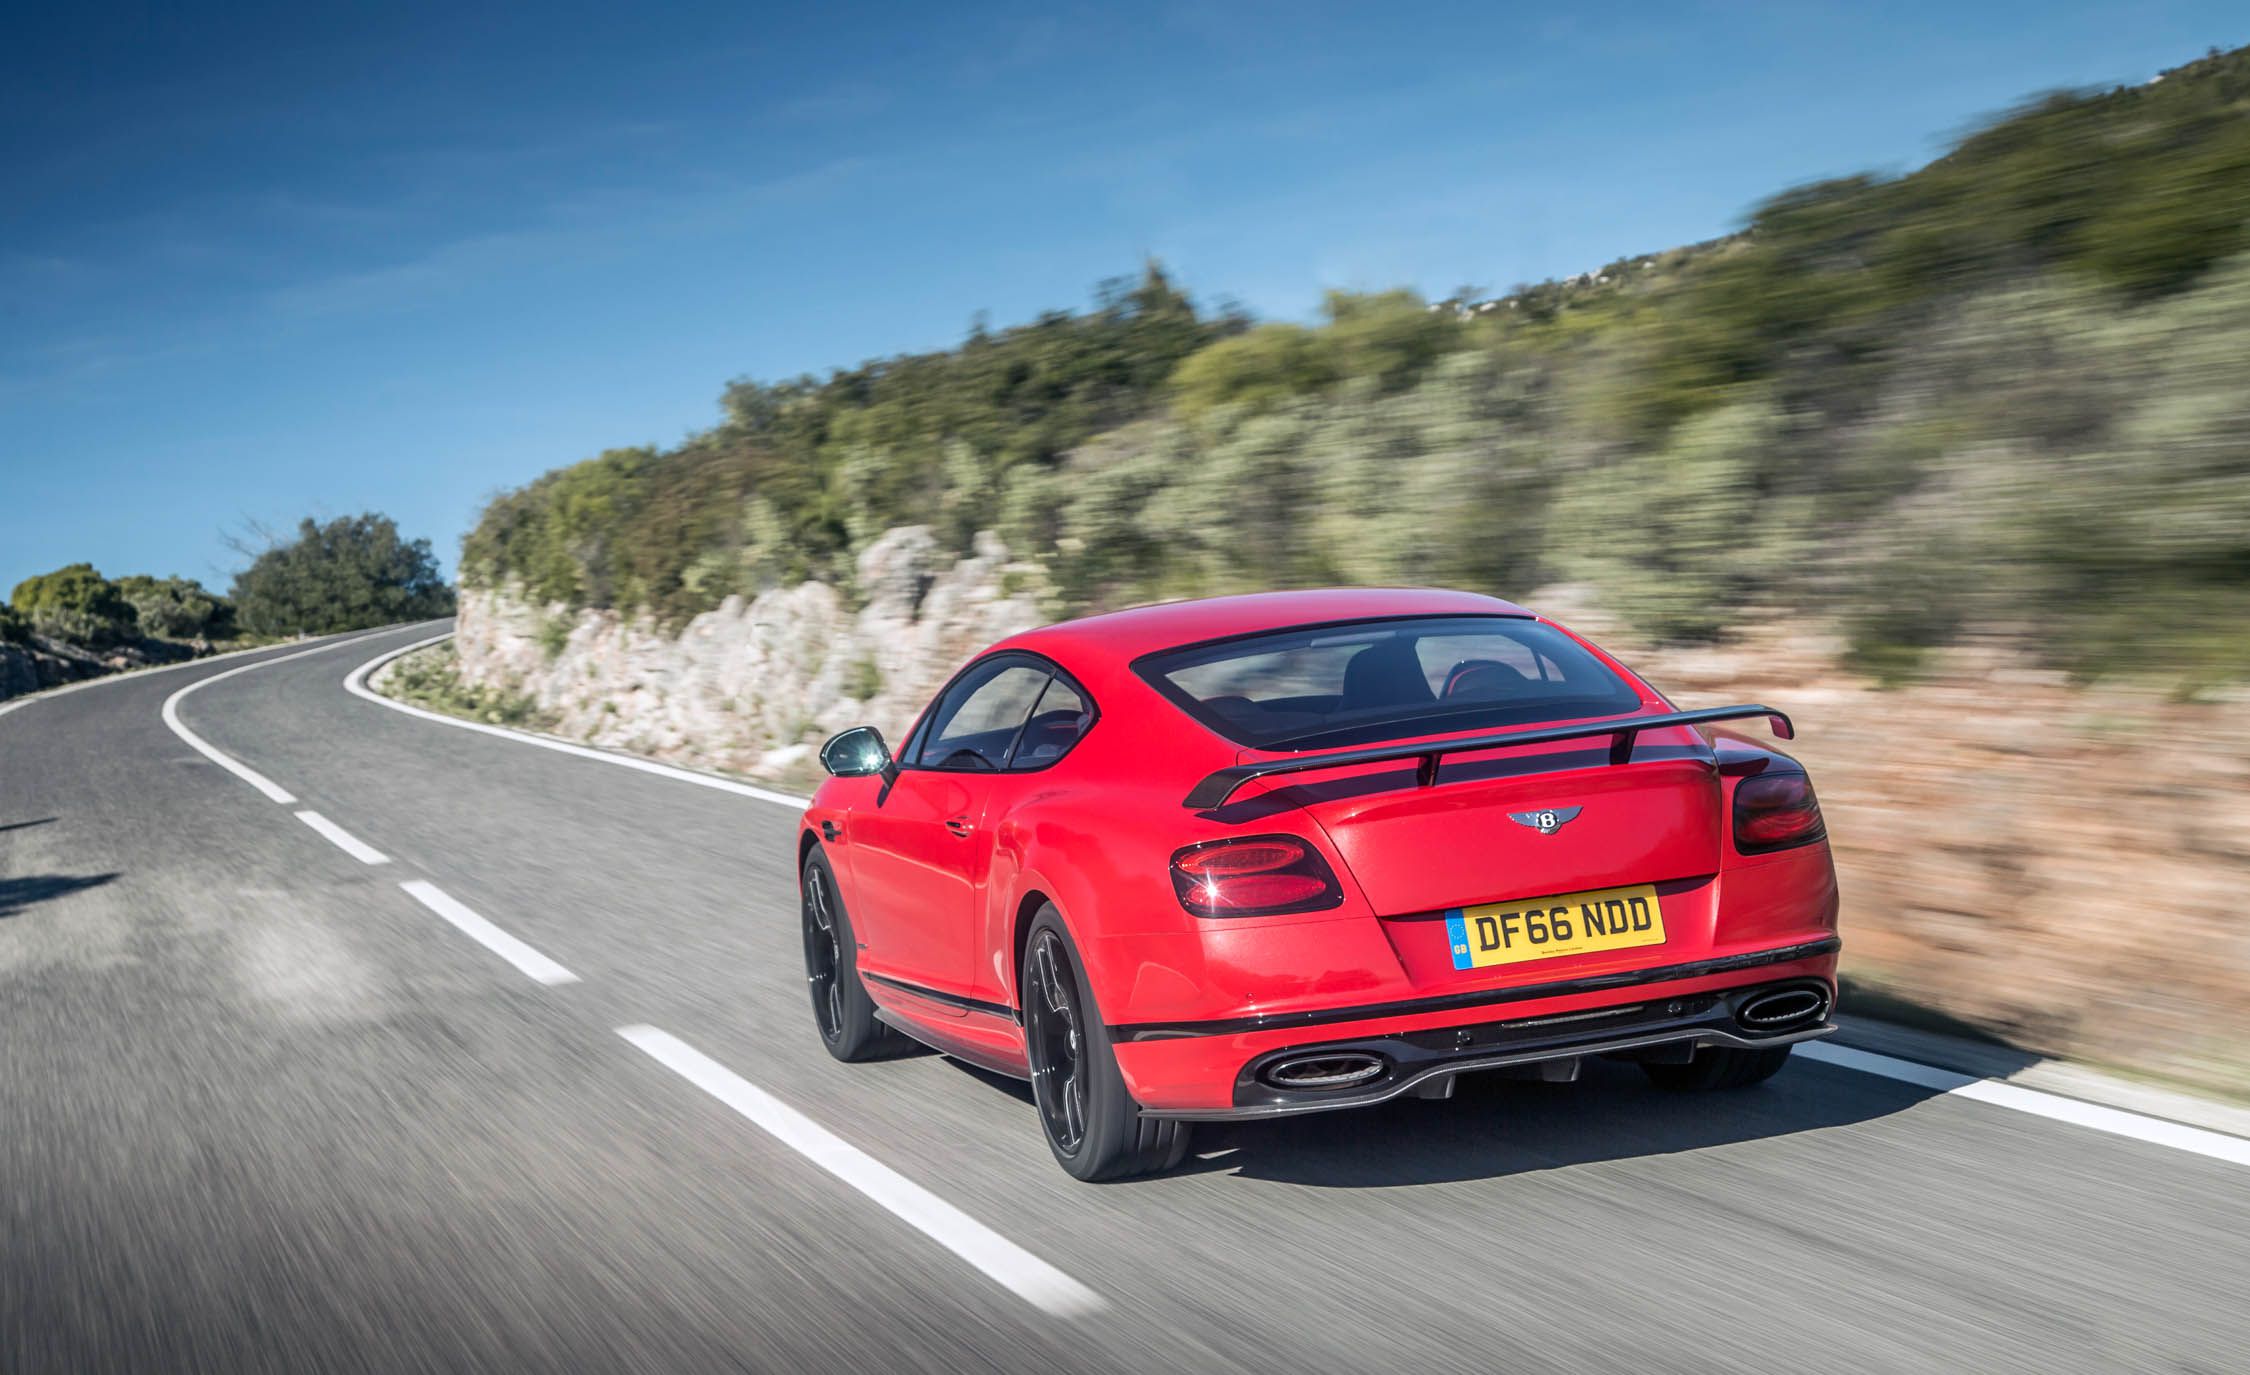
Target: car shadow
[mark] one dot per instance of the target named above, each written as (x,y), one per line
(1857,997)
(1494,1127)
(18,893)
(1018,1089)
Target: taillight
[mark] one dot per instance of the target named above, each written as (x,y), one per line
(1774,811)
(1255,876)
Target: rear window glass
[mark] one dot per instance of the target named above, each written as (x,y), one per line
(1321,687)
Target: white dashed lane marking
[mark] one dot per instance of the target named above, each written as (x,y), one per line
(343,840)
(1007,1264)
(484,933)
(2055,1107)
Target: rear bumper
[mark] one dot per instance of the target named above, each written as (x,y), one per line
(1219,1070)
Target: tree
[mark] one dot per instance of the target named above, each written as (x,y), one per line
(1260,369)
(75,603)
(177,608)
(349,574)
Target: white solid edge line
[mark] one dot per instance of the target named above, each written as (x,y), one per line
(355,683)
(344,840)
(484,933)
(171,712)
(1007,1264)
(2115,1121)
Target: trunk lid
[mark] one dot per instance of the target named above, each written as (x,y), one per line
(1418,852)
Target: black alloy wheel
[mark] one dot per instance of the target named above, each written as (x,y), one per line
(1056,1045)
(822,954)
(842,1011)
(1094,1128)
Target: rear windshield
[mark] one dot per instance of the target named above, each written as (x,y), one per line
(1321,687)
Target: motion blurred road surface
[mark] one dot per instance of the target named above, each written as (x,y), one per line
(261,1108)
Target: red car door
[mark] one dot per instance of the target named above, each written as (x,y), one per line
(921,849)
(918,857)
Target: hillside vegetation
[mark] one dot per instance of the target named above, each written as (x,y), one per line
(2006,393)
(353,572)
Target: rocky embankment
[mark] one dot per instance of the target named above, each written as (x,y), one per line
(2058,865)
(754,686)
(2061,866)
(45,663)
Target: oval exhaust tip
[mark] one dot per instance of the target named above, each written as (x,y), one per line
(1782,1007)
(1333,1070)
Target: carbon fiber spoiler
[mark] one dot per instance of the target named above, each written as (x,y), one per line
(1215,789)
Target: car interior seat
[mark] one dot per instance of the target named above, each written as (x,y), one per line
(1386,674)
(1474,680)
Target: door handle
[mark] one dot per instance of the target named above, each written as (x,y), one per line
(959,825)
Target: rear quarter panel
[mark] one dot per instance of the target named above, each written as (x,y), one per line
(1095,834)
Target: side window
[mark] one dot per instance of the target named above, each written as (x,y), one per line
(1056,723)
(975,723)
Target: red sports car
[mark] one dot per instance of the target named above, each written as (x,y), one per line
(1283,853)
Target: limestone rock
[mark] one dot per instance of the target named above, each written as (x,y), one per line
(743,684)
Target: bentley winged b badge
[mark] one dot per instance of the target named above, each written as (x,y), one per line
(1547,820)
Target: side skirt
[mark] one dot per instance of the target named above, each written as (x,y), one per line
(960,1048)
(935,995)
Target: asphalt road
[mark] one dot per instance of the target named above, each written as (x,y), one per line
(262,1109)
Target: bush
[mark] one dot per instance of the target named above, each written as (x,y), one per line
(554,635)
(1263,368)
(2000,394)
(1388,338)
(76,604)
(177,608)
(803,473)
(352,573)
(432,678)
(13,628)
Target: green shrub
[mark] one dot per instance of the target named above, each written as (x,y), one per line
(554,635)
(2003,392)
(1259,369)
(1388,338)
(352,573)
(432,678)
(863,680)
(177,608)
(77,604)
(803,473)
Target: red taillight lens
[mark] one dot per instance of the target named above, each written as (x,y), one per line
(1256,876)
(1775,811)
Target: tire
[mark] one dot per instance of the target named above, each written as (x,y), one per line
(1092,1125)
(1719,1067)
(843,1014)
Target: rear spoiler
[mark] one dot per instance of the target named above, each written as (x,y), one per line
(1214,790)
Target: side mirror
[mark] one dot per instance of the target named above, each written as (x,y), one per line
(858,753)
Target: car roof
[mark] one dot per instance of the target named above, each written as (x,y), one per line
(1118,637)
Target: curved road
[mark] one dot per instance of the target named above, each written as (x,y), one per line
(265,1105)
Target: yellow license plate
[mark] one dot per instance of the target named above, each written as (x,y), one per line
(1543,928)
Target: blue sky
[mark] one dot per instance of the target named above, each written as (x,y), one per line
(259,262)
